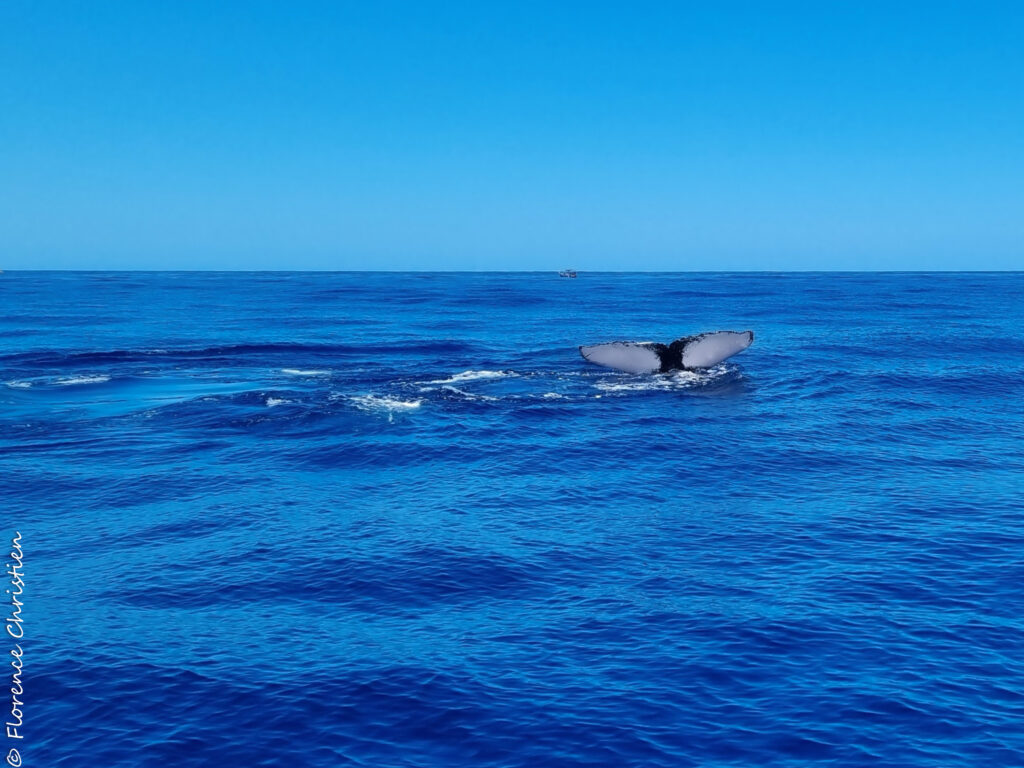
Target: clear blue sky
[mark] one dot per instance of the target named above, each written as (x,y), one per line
(486,135)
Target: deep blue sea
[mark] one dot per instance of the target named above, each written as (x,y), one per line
(334,519)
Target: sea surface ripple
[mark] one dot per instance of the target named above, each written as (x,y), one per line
(324,519)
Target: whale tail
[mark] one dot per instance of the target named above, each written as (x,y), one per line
(702,351)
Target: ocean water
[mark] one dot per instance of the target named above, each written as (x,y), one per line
(292,519)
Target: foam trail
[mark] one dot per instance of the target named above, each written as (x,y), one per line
(473,376)
(75,380)
(675,380)
(467,395)
(373,402)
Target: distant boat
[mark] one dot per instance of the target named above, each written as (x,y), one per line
(567,273)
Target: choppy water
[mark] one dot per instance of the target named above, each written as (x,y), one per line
(395,520)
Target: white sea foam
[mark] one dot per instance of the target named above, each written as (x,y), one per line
(552,395)
(74,380)
(674,380)
(467,395)
(473,376)
(19,384)
(375,403)
(301,372)
(272,401)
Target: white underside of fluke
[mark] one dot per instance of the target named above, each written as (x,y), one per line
(709,349)
(626,356)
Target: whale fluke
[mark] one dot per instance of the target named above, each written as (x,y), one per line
(701,351)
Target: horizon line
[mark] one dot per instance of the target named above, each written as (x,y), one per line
(533,271)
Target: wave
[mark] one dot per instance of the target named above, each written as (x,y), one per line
(18,384)
(300,372)
(53,357)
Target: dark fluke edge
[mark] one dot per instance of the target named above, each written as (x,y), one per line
(687,353)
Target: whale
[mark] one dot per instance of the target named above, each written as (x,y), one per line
(686,354)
